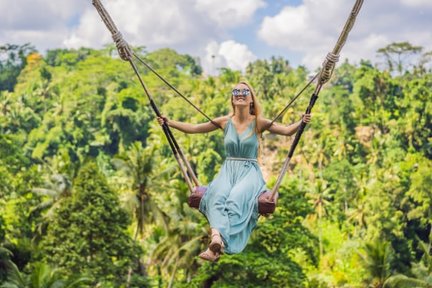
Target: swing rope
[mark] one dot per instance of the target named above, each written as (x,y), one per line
(175,90)
(324,76)
(126,54)
(292,100)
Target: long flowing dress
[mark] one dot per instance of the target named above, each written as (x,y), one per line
(231,200)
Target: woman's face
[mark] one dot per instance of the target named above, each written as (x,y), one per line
(241,95)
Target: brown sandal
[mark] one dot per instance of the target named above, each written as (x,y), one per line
(209,255)
(216,245)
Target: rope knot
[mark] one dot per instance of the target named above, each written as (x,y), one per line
(122,46)
(328,67)
(333,58)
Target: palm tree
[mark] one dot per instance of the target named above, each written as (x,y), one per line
(42,276)
(5,262)
(183,240)
(137,180)
(55,191)
(318,150)
(319,198)
(5,102)
(137,177)
(376,261)
(422,273)
(359,210)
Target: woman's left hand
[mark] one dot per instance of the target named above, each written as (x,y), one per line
(306,118)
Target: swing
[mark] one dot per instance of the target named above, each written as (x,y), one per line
(268,199)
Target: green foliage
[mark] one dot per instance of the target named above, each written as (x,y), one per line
(12,162)
(42,276)
(167,58)
(421,273)
(88,234)
(251,269)
(396,53)
(376,260)
(360,173)
(5,262)
(12,61)
(268,261)
(66,57)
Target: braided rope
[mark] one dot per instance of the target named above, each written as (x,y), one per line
(333,57)
(324,76)
(123,48)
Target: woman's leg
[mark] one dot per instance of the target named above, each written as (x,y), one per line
(242,212)
(214,206)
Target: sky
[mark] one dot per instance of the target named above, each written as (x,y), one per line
(222,33)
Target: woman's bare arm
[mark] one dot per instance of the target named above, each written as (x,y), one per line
(195,128)
(282,129)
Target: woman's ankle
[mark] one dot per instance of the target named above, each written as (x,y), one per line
(215,232)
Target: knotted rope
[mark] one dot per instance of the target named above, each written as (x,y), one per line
(123,48)
(324,76)
(333,57)
(126,54)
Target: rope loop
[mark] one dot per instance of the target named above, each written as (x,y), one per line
(122,46)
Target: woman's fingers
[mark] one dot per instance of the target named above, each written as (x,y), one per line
(306,118)
(162,120)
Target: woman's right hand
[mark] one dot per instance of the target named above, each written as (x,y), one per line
(162,120)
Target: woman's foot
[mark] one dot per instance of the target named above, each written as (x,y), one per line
(209,255)
(216,245)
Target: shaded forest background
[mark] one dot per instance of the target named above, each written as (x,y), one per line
(90,195)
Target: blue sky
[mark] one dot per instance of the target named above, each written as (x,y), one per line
(246,33)
(234,32)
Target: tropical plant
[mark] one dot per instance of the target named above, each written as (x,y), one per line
(42,276)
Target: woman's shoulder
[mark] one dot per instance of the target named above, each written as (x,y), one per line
(222,120)
(262,123)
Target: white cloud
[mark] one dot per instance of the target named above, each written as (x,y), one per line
(155,23)
(228,13)
(43,23)
(37,14)
(40,39)
(185,24)
(179,25)
(301,28)
(237,55)
(417,3)
(90,32)
(313,28)
(227,54)
(308,30)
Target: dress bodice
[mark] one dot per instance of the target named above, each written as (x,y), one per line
(243,145)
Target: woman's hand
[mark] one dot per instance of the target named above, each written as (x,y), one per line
(162,120)
(306,118)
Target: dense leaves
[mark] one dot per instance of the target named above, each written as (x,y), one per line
(89,188)
(88,234)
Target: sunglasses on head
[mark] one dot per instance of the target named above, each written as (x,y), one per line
(238,92)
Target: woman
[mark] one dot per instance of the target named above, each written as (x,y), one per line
(231,200)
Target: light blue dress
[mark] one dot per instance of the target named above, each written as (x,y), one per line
(231,200)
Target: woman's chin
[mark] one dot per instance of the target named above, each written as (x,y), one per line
(239,104)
